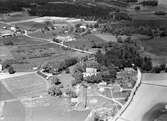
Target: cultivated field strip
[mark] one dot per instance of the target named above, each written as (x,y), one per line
(26,85)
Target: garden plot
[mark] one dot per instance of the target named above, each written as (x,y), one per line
(31,25)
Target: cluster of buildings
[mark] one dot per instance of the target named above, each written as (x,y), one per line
(6,32)
(63,39)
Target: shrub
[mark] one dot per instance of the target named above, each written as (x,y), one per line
(11,70)
(160,13)
(71,93)
(8,42)
(54,80)
(67,70)
(54,91)
(137,8)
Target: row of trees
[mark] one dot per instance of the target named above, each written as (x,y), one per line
(133,28)
(68,10)
(56,85)
(55,67)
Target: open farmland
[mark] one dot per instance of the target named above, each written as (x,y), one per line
(14,111)
(31,25)
(26,85)
(156,46)
(58,109)
(39,51)
(86,42)
(20,40)
(36,55)
(149,94)
(5,53)
(107,37)
(46,34)
(4,93)
(17,17)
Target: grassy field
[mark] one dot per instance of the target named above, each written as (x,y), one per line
(39,51)
(86,42)
(18,17)
(21,40)
(14,111)
(26,85)
(58,109)
(156,46)
(30,25)
(5,53)
(4,93)
(38,54)
(107,37)
(46,35)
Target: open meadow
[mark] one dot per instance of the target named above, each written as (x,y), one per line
(156,46)
(107,37)
(13,17)
(5,53)
(20,40)
(156,49)
(86,42)
(30,25)
(4,93)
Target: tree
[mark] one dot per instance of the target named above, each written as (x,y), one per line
(162,67)
(6,64)
(147,64)
(67,70)
(54,91)
(11,70)
(156,69)
(71,93)
(94,78)
(78,77)
(99,57)
(54,80)
(56,40)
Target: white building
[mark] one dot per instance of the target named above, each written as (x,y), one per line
(65,38)
(1,68)
(6,33)
(90,72)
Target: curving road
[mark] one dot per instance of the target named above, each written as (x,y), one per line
(151,92)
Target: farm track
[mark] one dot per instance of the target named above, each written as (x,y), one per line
(75,49)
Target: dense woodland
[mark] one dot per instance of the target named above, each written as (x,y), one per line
(123,55)
(69,10)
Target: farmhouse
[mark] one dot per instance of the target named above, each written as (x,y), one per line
(90,72)
(65,38)
(6,33)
